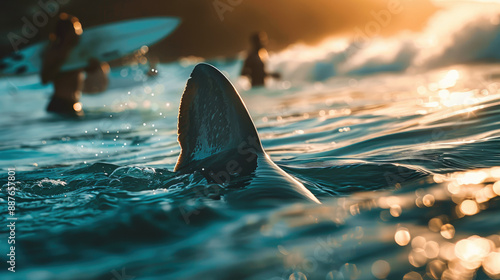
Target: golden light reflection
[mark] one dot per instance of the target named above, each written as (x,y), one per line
(389,202)
(412,276)
(484,194)
(488,192)
(495,172)
(438,250)
(453,188)
(469,207)
(472,251)
(77,106)
(448,231)
(435,269)
(471,177)
(431,249)
(496,188)
(381,269)
(297,276)
(78,28)
(447,251)
(459,99)
(449,80)
(471,191)
(438,178)
(491,265)
(402,237)
(263,54)
(418,242)
(144,49)
(417,257)
(428,200)
(441,93)
(435,224)
(396,211)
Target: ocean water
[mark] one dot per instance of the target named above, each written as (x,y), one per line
(400,142)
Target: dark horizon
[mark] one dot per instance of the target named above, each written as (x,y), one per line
(217,28)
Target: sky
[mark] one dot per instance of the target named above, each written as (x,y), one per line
(484,1)
(220,28)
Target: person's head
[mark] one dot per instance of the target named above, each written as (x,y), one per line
(258,40)
(67,26)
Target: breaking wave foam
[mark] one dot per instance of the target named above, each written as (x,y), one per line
(455,35)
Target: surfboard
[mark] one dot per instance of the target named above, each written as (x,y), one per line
(105,43)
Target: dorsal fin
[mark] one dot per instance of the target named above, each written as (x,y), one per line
(212,117)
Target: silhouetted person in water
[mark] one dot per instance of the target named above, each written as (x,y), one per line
(254,65)
(97,76)
(68,85)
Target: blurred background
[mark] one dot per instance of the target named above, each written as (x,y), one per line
(386,110)
(221,28)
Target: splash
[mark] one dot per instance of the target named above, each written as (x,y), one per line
(457,34)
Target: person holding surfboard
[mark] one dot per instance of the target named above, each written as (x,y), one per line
(68,85)
(254,66)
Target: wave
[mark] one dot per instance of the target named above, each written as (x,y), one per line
(458,34)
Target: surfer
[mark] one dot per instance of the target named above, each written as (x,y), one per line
(254,66)
(68,85)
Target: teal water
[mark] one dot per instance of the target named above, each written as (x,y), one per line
(398,138)
(96,198)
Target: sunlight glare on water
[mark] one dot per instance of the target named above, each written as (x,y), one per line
(405,164)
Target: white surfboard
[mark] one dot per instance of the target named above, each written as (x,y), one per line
(105,43)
